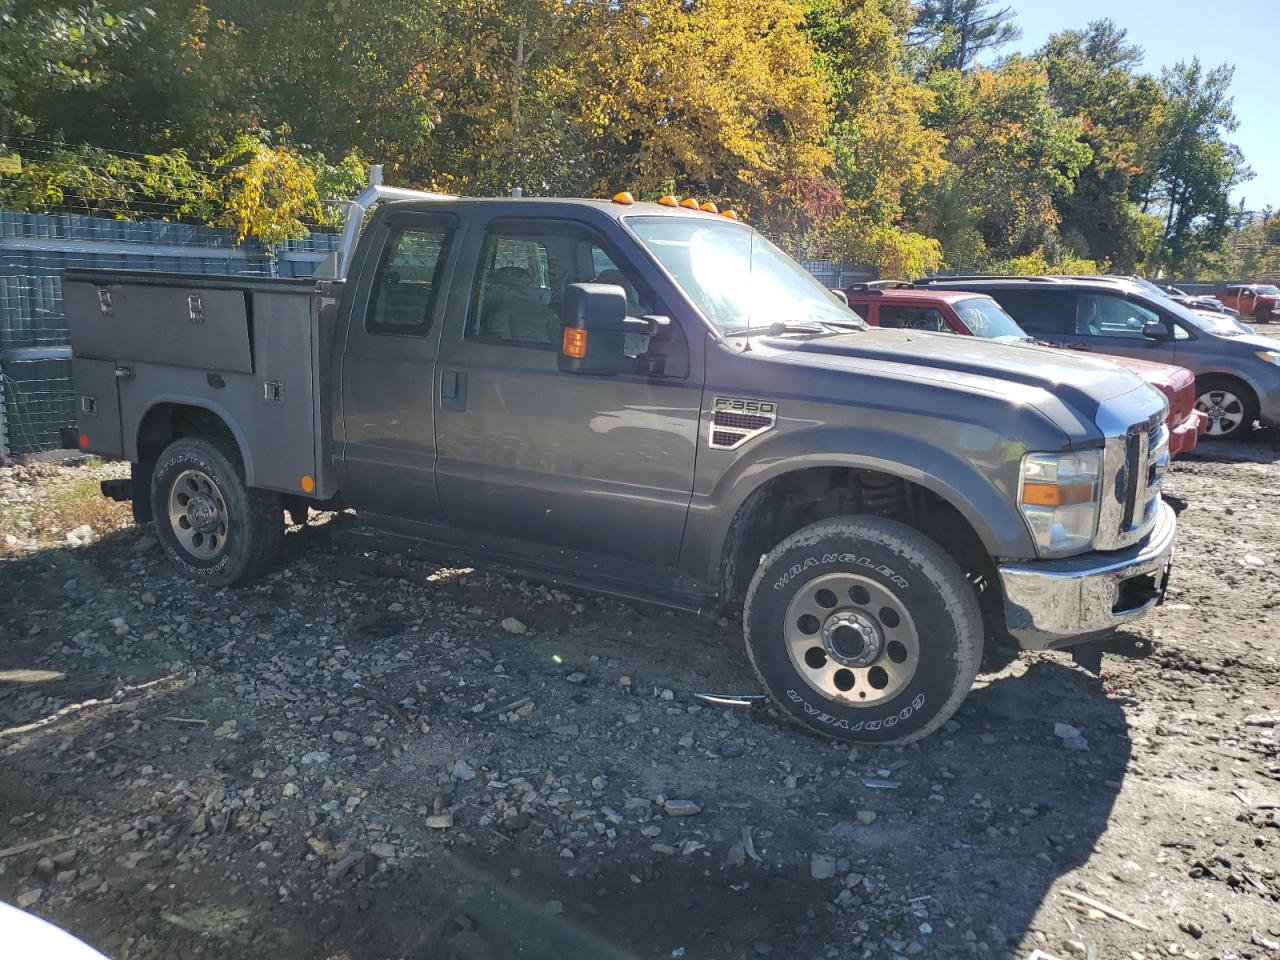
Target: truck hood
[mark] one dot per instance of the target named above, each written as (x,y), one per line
(1081,382)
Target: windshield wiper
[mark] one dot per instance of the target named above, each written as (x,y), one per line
(814,328)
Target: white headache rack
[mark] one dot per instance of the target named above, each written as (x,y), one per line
(338,263)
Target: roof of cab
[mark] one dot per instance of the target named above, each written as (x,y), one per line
(562,204)
(907,294)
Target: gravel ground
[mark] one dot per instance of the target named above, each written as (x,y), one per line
(368,757)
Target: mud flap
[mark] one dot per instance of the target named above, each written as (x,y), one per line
(1089,656)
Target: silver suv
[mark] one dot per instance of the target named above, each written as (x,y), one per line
(1237,373)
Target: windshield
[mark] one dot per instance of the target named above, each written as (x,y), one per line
(1223,324)
(1197,321)
(1269,291)
(985,318)
(1151,288)
(736,277)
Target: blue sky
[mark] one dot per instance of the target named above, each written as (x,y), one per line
(1244,33)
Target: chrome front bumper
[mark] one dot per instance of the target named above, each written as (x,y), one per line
(1055,603)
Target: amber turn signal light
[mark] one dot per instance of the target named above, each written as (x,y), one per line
(624,197)
(669,201)
(307,483)
(1053,495)
(574,343)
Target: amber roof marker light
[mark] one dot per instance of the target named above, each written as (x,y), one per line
(709,207)
(689,203)
(624,197)
(731,214)
(669,201)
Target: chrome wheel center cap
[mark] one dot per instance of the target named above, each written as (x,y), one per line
(202,513)
(852,639)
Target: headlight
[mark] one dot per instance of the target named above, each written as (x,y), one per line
(1059,497)
(1270,356)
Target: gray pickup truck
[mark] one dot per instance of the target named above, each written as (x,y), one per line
(650,401)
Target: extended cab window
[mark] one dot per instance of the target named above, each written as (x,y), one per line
(404,289)
(1102,315)
(524,271)
(913,318)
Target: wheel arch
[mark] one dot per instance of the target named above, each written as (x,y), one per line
(171,417)
(793,496)
(1227,374)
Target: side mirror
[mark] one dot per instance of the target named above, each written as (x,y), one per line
(594,335)
(1157,330)
(841,295)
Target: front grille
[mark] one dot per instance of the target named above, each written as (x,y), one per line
(1134,466)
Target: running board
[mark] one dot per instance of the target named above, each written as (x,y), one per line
(371,538)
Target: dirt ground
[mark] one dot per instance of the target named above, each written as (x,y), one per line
(367,757)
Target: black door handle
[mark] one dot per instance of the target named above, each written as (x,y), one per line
(453,390)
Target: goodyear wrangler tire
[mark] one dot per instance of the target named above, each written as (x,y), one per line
(214,528)
(863,629)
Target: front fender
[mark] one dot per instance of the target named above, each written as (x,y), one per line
(981,484)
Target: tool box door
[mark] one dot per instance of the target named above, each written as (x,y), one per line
(97,406)
(181,326)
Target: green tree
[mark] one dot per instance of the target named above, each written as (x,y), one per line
(956,32)
(1012,156)
(1196,169)
(46,48)
(1093,76)
(882,152)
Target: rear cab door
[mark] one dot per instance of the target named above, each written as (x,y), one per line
(394,317)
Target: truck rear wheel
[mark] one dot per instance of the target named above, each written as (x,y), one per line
(863,629)
(214,528)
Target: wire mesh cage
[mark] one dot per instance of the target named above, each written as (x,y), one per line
(34,251)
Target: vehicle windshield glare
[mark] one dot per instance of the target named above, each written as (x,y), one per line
(985,318)
(737,278)
(1268,291)
(1188,316)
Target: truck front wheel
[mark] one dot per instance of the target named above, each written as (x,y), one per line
(863,629)
(214,528)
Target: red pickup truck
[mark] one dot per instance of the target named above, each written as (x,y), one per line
(895,303)
(1258,300)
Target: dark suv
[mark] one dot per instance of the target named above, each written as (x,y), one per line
(1237,374)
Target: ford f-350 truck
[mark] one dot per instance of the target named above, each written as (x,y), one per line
(651,400)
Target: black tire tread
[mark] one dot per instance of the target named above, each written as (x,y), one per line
(265,521)
(958,597)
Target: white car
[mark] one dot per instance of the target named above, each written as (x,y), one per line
(27,936)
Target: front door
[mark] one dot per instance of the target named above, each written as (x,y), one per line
(388,366)
(1111,324)
(567,461)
